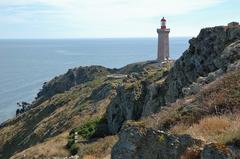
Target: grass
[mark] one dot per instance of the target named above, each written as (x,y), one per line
(223,96)
(221,129)
(155,75)
(212,115)
(98,149)
(59,114)
(54,147)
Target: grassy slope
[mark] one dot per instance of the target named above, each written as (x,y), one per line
(44,130)
(53,117)
(212,115)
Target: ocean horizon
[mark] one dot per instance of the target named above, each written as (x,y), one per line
(25,64)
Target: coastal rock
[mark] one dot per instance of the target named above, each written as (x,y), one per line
(125,106)
(153,100)
(139,100)
(205,54)
(136,142)
(214,52)
(216,151)
(101,92)
(72,78)
(195,87)
(207,58)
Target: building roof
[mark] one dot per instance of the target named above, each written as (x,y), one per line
(163,20)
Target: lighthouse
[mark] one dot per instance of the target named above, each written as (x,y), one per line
(163,41)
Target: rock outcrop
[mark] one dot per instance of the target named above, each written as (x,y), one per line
(72,78)
(125,106)
(213,53)
(210,55)
(137,142)
(134,101)
(206,54)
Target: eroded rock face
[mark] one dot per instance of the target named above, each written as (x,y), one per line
(125,106)
(101,92)
(134,103)
(153,100)
(230,55)
(217,151)
(229,61)
(137,142)
(206,54)
(72,78)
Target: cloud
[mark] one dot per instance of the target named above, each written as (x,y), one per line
(112,9)
(91,14)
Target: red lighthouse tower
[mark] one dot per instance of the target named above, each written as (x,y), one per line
(163,41)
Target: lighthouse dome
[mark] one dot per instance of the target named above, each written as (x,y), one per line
(163,20)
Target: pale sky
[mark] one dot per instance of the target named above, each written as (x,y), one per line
(111,18)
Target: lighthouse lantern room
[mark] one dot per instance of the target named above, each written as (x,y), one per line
(163,23)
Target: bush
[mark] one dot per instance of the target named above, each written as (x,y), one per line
(70,143)
(96,127)
(93,128)
(73,149)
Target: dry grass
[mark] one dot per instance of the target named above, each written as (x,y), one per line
(212,115)
(221,129)
(52,148)
(98,149)
(182,111)
(219,98)
(89,157)
(222,96)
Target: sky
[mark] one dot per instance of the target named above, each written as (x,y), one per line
(111,18)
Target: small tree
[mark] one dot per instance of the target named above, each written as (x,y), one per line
(23,107)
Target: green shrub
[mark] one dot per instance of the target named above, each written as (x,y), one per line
(93,128)
(73,149)
(89,129)
(70,143)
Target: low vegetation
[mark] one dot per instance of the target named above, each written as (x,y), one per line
(212,115)
(98,149)
(221,129)
(94,128)
(23,107)
(90,129)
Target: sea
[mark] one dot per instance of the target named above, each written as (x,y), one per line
(25,64)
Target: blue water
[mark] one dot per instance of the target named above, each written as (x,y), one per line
(26,64)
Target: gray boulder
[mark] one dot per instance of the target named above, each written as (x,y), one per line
(137,142)
(217,151)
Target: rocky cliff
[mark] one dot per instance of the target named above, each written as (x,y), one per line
(204,55)
(72,78)
(181,109)
(203,81)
